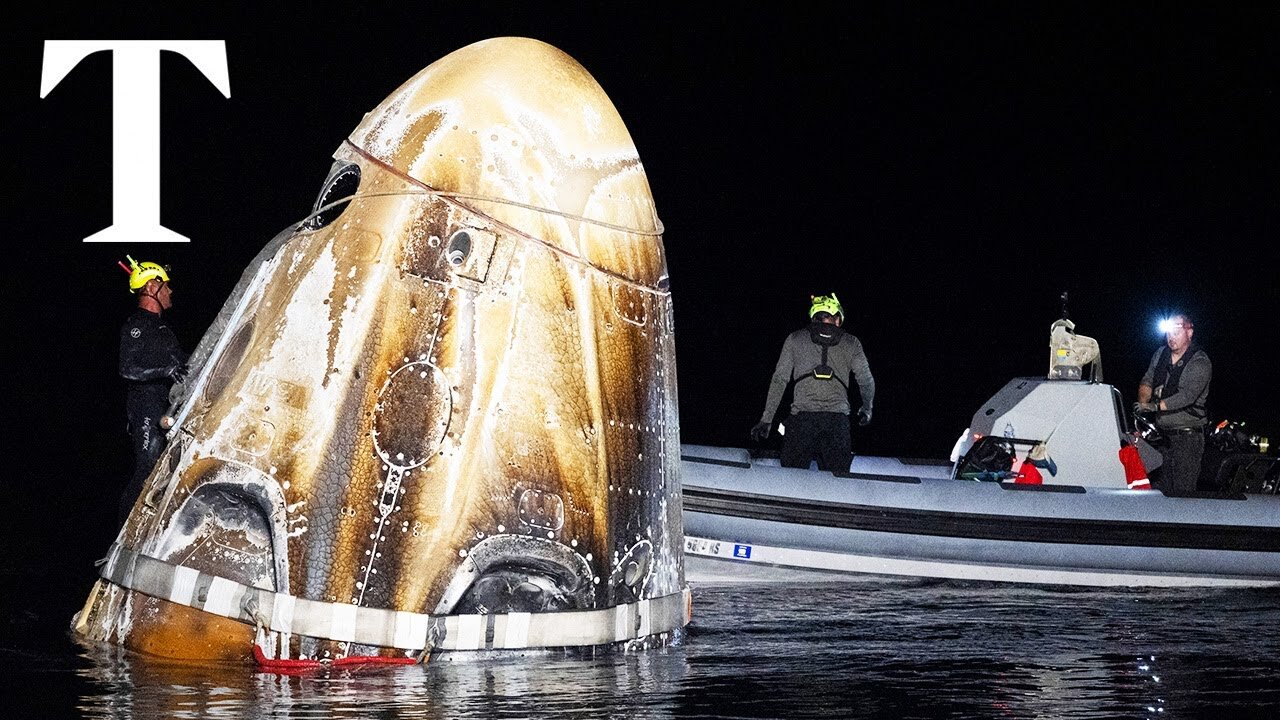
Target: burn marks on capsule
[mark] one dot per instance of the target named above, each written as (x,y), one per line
(229,520)
(449,244)
(411,416)
(644,498)
(518,573)
(540,509)
(466,365)
(410,421)
(469,253)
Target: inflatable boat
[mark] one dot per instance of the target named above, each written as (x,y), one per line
(1044,487)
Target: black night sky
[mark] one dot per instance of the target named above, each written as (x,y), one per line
(948,169)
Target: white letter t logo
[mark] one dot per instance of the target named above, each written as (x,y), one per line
(135,117)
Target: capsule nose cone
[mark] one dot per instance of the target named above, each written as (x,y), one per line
(517,130)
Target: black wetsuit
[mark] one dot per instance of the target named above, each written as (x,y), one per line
(149,357)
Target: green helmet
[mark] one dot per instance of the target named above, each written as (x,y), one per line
(829,304)
(141,273)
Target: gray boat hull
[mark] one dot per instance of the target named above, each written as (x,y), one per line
(749,519)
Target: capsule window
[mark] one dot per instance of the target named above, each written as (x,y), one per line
(459,248)
(335,196)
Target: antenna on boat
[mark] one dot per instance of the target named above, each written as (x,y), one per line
(1065,314)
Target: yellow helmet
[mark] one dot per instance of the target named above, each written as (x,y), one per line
(825,303)
(141,273)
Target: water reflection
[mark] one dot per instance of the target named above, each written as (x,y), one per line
(901,649)
(609,683)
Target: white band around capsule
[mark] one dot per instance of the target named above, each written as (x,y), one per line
(384,627)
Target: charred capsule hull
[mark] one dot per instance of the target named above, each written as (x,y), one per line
(441,413)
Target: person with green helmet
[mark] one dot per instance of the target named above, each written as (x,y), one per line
(821,359)
(151,361)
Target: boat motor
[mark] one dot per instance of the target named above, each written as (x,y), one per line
(1230,436)
(1236,460)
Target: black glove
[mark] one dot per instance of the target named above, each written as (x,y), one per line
(179,372)
(864,416)
(760,431)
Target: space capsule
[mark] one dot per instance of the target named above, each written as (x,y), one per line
(439,413)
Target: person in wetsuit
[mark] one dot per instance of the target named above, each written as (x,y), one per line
(151,361)
(821,359)
(1173,392)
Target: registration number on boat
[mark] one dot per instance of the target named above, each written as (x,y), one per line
(703,546)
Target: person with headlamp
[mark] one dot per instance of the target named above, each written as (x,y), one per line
(1173,394)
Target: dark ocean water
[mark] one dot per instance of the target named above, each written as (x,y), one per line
(900,648)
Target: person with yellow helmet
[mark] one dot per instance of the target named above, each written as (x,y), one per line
(821,359)
(151,361)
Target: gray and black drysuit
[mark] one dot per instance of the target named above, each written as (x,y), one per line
(819,421)
(1184,388)
(150,360)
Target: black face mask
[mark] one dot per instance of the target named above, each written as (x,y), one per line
(826,335)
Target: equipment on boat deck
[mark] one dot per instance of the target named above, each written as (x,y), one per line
(1069,352)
